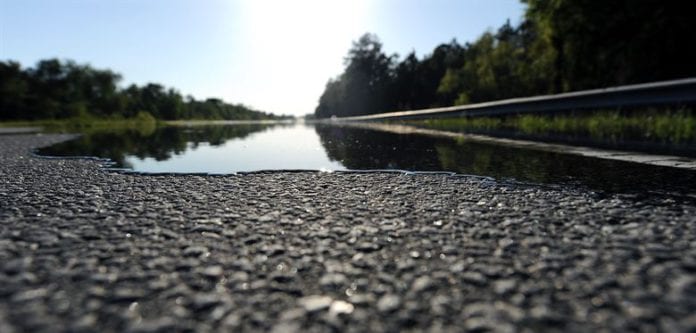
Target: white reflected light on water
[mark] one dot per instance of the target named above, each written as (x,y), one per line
(293,147)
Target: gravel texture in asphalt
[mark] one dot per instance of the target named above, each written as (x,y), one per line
(87,250)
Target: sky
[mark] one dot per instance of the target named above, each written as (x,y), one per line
(272,55)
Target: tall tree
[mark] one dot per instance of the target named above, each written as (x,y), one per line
(364,87)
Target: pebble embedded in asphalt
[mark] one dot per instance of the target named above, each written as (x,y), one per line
(88,250)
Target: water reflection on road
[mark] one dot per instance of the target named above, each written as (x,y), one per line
(253,147)
(259,148)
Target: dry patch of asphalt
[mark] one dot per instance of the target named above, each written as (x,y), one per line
(86,250)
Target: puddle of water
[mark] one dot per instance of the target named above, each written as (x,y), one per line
(204,149)
(279,147)
(251,147)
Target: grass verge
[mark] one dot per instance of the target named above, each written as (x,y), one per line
(143,122)
(671,126)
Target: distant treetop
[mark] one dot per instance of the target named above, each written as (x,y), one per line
(56,89)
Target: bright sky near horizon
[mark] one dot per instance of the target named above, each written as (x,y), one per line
(272,55)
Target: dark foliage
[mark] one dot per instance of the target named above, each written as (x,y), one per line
(560,46)
(57,89)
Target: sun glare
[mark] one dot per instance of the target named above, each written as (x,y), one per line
(295,45)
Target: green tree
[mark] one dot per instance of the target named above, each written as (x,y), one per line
(561,45)
(56,89)
(364,87)
(599,44)
(14,91)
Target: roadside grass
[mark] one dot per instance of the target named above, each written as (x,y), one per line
(143,122)
(671,126)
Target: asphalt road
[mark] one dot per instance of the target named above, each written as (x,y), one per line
(86,250)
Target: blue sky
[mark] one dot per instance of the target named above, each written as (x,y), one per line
(273,55)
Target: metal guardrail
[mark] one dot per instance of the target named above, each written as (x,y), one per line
(674,92)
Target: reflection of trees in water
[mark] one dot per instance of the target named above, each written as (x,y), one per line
(497,161)
(161,143)
(548,167)
(371,149)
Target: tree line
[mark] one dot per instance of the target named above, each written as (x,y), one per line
(56,89)
(560,46)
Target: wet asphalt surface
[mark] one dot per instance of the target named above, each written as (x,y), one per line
(87,250)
